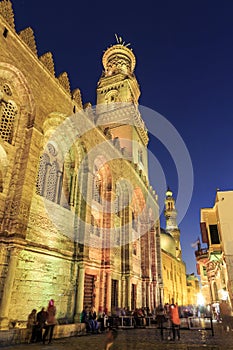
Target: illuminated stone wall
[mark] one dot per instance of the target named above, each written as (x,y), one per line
(40,277)
(193,289)
(174,279)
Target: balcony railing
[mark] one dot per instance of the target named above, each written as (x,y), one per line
(201,252)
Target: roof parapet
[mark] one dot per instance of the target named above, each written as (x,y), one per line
(6,11)
(64,81)
(27,35)
(47,60)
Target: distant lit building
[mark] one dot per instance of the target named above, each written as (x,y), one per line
(193,289)
(173,267)
(202,259)
(215,263)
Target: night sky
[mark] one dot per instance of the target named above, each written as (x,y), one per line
(184,52)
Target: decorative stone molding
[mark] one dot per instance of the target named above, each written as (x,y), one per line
(42,222)
(47,60)
(6,11)
(27,35)
(64,81)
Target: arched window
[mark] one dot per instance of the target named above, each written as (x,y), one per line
(111,97)
(49,180)
(117,203)
(134,222)
(97,188)
(7,114)
(135,248)
(52,182)
(140,156)
(94,227)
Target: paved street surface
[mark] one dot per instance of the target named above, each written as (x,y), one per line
(141,339)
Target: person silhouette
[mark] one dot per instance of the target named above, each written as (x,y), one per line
(50,322)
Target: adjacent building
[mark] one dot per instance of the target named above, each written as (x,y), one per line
(215,262)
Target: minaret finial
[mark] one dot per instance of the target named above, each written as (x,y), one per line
(120,41)
(117,39)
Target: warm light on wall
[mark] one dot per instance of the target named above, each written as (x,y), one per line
(200,299)
(223,294)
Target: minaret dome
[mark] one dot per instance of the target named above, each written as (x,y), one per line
(118,59)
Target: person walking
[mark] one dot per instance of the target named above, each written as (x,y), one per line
(175,320)
(50,321)
(225,313)
(110,339)
(160,318)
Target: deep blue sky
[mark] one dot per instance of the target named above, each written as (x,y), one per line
(184,53)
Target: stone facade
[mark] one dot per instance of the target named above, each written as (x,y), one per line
(77,225)
(214,262)
(173,267)
(193,289)
(174,279)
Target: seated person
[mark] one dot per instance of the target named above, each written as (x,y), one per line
(85,319)
(93,320)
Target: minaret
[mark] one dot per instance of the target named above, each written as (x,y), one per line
(171,220)
(118,82)
(117,104)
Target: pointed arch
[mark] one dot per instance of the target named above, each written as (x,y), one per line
(19,84)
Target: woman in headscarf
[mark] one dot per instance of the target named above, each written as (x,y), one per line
(50,321)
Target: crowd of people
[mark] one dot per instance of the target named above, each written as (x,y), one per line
(41,325)
(136,318)
(43,320)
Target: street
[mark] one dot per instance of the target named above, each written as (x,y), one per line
(142,339)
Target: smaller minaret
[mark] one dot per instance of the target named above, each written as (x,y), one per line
(171,220)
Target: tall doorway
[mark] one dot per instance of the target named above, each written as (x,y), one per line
(133,296)
(89,285)
(114,296)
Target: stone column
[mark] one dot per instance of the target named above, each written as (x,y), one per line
(119,293)
(108,291)
(7,290)
(101,291)
(58,188)
(155,294)
(129,293)
(123,293)
(148,294)
(80,294)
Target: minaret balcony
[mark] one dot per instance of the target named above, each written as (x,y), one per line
(202,254)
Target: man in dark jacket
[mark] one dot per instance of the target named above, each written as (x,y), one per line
(40,319)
